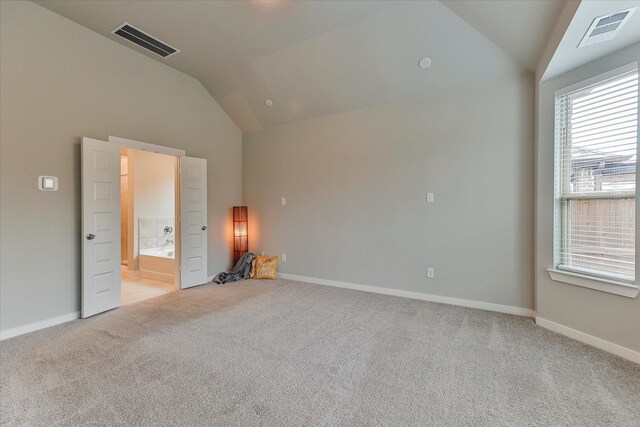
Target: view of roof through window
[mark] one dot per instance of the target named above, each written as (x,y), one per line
(602,135)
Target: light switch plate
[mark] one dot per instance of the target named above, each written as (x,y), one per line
(429,197)
(47,183)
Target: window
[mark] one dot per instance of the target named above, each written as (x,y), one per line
(595,178)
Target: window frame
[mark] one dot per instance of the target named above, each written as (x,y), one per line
(586,278)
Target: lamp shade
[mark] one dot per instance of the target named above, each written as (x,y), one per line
(240,232)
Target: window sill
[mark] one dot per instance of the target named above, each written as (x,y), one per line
(599,284)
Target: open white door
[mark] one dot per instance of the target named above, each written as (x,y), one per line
(193,215)
(100,226)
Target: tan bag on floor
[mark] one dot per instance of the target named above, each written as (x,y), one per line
(252,274)
(266,268)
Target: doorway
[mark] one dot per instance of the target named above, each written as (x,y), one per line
(102,235)
(147,217)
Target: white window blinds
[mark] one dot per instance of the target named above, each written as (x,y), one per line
(596,156)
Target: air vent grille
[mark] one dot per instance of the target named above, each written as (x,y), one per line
(605,28)
(144,40)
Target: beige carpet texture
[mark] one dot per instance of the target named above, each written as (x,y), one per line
(274,353)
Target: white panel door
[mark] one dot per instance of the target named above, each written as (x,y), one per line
(100,226)
(193,191)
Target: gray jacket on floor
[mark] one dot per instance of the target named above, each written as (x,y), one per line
(241,270)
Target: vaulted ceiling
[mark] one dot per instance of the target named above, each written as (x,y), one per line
(568,56)
(314,58)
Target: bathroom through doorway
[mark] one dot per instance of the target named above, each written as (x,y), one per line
(148,224)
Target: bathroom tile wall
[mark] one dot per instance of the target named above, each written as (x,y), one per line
(156,232)
(166,231)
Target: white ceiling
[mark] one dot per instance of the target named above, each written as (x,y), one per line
(521,28)
(314,58)
(568,56)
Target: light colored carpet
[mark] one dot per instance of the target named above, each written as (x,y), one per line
(288,353)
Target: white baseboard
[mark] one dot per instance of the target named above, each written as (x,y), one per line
(618,350)
(32,327)
(519,311)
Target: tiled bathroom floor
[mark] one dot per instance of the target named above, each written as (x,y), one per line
(136,288)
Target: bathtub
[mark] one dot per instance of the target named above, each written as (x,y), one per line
(158,263)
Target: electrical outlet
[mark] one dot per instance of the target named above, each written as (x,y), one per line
(283,201)
(429,197)
(284,257)
(262,253)
(430,273)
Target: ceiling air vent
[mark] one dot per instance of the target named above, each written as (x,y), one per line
(605,28)
(144,40)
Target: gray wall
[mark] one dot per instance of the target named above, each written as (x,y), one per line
(59,82)
(355,185)
(610,317)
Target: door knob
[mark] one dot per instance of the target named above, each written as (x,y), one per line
(204,227)
(91,236)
